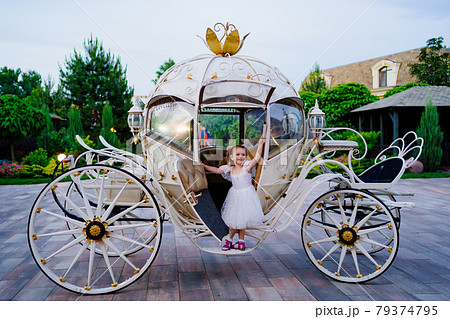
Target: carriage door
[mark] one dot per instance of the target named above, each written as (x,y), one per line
(286,133)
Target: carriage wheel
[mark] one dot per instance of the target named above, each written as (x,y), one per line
(382,236)
(74,192)
(340,244)
(114,233)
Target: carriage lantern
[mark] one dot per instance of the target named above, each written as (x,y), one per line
(316,120)
(135,118)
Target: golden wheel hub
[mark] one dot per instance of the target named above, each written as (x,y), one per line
(347,235)
(95,230)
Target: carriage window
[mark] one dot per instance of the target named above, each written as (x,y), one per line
(219,127)
(172,122)
(286,126)
(254,122)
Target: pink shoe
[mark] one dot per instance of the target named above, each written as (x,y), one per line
(227,245)
(240,245)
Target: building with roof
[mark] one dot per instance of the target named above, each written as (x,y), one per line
(394,116)
(379,74)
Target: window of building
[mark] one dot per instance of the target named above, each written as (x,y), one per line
(386,78)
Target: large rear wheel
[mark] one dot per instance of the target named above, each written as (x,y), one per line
(95,229)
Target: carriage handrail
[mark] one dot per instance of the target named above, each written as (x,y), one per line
(112,152)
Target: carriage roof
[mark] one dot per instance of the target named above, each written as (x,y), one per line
(208,79)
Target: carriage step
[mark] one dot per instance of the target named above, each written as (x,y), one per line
(218,250)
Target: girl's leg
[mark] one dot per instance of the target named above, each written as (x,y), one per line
(241,234)
(233,232)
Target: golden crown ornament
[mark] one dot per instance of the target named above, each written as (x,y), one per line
(229,43)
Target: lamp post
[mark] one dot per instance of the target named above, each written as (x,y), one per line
(135,118)
(316,120)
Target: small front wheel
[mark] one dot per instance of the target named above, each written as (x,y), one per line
(341,229)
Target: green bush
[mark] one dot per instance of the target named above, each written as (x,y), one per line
(55,141)
(32,171)
(37,157)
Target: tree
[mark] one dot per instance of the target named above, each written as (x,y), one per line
(432,135)
(163,68)
(90,81)
(338,101)
(402,88)
(310,99)
(75,124)
(108,131)
(45,98)
(434,64)
(17,83)
(314,82)
(18,120)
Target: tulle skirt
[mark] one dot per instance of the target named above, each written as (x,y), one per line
(242,208)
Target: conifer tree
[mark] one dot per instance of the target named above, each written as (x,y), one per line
(75,124)
(108,131)
(91,79)
(431,132)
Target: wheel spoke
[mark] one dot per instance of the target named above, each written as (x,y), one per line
(355,210)
(121,255)
(364,251)
(329,228)
(336,246)
(83,194)
(67,246)
(370,241)
(334,221)
(365,219)
(126,211)
(341,258)
(67,219)
(100,196)
(371,230)
(325,240)
(341,209)
(91,263)
(113,203)
(72,204)
(63,232)
(107,262)
(77,256)
(131,241)
(355,259)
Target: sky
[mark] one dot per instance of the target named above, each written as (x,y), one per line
(289,34)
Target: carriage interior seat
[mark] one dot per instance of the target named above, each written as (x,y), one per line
(193,178)
(383,172)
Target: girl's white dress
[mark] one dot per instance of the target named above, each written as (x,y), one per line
(242,208)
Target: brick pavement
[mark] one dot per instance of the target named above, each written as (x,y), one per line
(277,270)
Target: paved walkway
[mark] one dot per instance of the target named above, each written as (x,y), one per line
(278,270)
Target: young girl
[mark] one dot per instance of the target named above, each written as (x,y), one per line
(241,208)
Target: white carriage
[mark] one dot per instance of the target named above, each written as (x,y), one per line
(97,227)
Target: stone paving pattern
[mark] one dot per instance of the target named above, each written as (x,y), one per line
(277,270)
